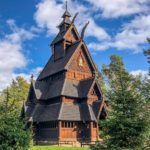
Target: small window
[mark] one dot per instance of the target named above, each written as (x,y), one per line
(93,92)
(68,124)
(81,61)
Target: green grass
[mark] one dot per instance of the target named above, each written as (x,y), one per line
(57,148)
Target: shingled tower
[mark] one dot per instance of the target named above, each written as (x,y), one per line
(65,103)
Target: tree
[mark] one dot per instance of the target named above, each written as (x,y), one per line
(13,135)
(127,124)
(147,53)
(18,91)
(144,87)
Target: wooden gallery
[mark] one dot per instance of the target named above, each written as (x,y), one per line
(65,103)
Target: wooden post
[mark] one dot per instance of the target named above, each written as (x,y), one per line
(59,131)
(91,131)
(97,132)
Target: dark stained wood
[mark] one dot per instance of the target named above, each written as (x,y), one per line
(79,69)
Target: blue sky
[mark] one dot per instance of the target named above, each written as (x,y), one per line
(27,28)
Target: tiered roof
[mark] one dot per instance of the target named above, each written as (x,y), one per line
(43,90)
(62,111)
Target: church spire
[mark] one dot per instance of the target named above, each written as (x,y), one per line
(66,13)
(66,19)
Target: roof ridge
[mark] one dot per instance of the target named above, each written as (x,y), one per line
(62,91)
(79,42)
(91,111)
(89,55)
(39,76)
(60,111)
(98,85)
(91,84)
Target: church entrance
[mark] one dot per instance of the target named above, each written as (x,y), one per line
(83,131)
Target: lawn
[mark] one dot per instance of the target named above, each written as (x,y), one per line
(57,148)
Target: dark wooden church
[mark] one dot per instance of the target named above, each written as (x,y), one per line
(65,103)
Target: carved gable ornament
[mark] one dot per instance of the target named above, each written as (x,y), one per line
(81,61)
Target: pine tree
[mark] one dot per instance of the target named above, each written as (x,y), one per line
(147,53)
(128,120)
(12,133)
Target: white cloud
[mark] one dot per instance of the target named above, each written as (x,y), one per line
(133,34)
(97,31)
(35,72)
(11,52)
(48,15)
(101,46)
(49,12)
(139,72)
(116,8)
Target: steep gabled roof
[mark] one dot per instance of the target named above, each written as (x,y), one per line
(89,58)
(38,88)
(53,67)
(31,94)
(58,38)
(46,112)
(85,86)
(97,106)
(98,86)
(65,21)
(61,35)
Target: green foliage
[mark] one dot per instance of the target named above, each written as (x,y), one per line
(12,133)
(18,91)
(127,125)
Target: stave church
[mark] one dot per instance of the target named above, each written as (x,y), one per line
(65,103)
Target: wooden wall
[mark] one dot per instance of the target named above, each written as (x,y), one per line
(71,35)
(77,132)
(46,134)
(77,75)
(75,63)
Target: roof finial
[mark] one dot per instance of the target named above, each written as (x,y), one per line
(83,30)
(32,76)
(66,5)
(74,17)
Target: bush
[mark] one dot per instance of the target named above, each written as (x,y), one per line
(12,134)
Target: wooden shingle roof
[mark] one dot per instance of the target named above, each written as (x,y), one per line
(43,113)
(61,111)
(53,67)
(65,87)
